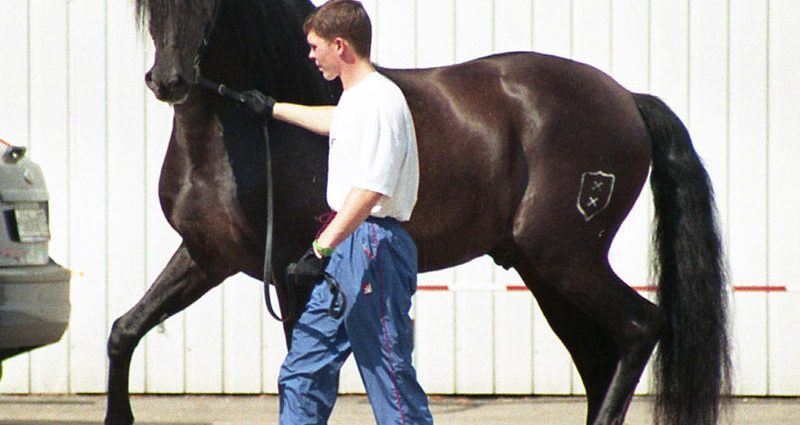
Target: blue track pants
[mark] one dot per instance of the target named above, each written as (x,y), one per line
(377,270)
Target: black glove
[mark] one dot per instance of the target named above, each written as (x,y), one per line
(308,270)
(260,103)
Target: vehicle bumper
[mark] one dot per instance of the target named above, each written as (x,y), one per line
(34,307)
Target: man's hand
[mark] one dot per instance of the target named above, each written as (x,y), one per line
(308,270)
(260,103)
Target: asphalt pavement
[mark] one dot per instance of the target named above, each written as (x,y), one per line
(352,410)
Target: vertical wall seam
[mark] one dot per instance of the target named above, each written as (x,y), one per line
(455,333)
(688,63)
(262,369)
(223,372)
(727,235)
(144,344)
(28,131)
(68,172)
(493,339)
(727,130)
(649,84)
(414,32)
(571,369)
(183,351)
(414,353)
(28,87)
(571,53)
(768,87)
(571,39)
(532,360)
(611,36)
(649,77)
(454,52)
(494,26)
(416,35)
(532,30)
(377,27)
(106,170)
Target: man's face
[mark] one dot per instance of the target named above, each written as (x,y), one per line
(325,55)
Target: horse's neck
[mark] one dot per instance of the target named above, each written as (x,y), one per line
(196,130)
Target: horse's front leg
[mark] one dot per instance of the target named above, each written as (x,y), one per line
(180,284)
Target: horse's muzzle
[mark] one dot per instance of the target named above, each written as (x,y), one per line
(173,89)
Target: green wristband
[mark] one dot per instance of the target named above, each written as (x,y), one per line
(323,251)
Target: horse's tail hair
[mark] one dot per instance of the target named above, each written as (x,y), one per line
(693,361)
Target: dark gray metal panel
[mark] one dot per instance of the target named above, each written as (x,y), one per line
(34,307)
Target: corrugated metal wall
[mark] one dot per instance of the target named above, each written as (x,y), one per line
(71,89)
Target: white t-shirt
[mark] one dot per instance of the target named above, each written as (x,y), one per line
(373,146)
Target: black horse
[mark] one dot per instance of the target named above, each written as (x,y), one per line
(533,159)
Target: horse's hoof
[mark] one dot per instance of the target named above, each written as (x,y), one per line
(119,420)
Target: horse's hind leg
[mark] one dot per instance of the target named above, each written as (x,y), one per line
(180,284)
(635,326)
(608,328)
(591,348)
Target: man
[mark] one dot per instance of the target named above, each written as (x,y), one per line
(372,186)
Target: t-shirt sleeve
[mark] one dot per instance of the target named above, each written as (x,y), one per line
(383,149)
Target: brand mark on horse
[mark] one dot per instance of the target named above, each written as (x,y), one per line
(595,193)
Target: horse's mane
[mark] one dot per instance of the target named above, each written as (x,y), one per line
(272,29)
(300,9)
(269,39)
(153,11)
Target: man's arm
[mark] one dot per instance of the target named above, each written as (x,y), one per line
(314,118)
(356,208)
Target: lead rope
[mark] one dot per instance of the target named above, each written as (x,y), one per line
(234,95)
(267,276)
(339,301)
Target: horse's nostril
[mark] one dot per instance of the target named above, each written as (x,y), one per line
(167,86)
(177,83)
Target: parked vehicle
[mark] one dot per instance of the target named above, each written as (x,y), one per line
(34,290)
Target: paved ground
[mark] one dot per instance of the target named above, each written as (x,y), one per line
(352,410)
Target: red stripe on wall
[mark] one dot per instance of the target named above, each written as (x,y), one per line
(767,288)
(759,288)
(516,288)
(644,288)
(433,288)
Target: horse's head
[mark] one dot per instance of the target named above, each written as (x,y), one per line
(177,28)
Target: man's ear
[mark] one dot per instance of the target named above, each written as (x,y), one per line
(340,45)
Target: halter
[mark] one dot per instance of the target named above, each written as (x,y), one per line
(339,300)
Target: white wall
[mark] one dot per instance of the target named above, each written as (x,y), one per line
(71,90)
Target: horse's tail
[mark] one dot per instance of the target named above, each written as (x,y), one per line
(692,364)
